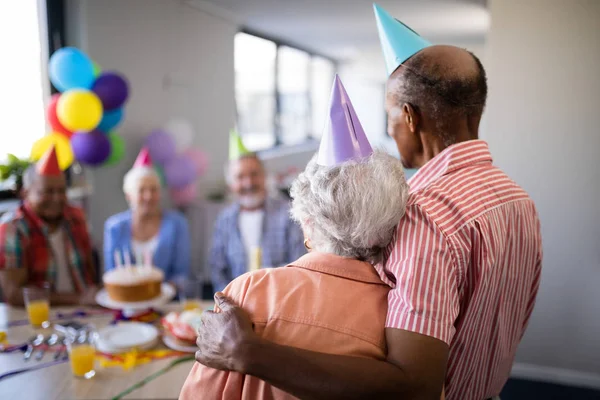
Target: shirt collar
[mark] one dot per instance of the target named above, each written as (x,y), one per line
(452,158)
(343,267)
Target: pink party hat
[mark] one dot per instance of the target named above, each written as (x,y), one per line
(143,159)
(344,138)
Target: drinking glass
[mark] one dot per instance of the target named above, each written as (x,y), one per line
(190,294)
(37,303)
(82,352)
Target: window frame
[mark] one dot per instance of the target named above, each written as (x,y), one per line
(278,143)
(56,31)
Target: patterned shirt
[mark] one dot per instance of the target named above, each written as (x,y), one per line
(464,266)
(24,243)
(282,242)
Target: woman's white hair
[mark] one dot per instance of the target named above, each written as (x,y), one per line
(133,177)
(352,209)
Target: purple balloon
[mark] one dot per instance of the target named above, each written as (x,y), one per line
(161,146)
(112,89)
(91,148)
(180,172)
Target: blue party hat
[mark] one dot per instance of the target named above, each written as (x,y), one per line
(398,41)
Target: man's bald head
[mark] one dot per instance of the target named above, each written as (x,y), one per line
(442,83)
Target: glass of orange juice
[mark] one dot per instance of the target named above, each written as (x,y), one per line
(82,353)
(37,302)
(190,294)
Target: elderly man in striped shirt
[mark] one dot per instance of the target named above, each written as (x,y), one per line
(464,265)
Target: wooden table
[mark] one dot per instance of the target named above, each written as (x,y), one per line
(57,382)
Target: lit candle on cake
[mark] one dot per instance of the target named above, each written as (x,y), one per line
(139,258)
(118,263)
(127,257)
(148,259)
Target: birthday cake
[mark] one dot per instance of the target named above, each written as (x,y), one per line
(133,283)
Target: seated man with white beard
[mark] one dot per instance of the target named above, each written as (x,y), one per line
(256,231)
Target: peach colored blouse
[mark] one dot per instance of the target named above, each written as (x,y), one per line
(321,302)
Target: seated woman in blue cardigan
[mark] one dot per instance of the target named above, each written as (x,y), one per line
(146,228)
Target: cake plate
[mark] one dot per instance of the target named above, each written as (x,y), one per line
(130,309)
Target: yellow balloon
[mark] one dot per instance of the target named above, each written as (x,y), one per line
(64,152)
(79,110)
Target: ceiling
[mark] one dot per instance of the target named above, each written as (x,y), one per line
(345,29)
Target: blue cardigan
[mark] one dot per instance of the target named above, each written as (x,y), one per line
(172,253)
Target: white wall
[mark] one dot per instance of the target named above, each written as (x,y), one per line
(179,63)
(542,120)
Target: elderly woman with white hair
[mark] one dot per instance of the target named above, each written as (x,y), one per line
(147,230)
(348,201)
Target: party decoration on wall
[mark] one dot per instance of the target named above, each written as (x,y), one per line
(60,142)
(117,149)
(79,110)
(53,118)
(112,89)
(70,68)
(179,172)
(86,112)
(182,133)
(178,165)
(91,148)
(199,158)
(97,69)
(184,196)
(161,146)
(110,120)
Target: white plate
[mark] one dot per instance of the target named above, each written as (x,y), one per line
(173,345)
(167,292)
(105,348)
(125,336)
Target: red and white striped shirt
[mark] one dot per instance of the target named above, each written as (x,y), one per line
(464,266)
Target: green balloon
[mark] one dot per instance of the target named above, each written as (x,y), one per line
(117,149)
(96,68)
(161,175)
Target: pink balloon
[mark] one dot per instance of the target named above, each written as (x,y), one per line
(185,195)
(199,158)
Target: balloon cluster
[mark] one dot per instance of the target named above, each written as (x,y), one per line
(83,116)
(178,164)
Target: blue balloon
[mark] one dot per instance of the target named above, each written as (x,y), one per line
(110,119)
(70,68)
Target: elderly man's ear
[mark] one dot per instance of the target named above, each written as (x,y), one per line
(411,117)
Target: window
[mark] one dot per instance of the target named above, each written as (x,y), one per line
(25,84)
(255,90)
(321,72)
(281,92)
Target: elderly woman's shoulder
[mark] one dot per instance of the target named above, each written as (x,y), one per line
(118,219)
